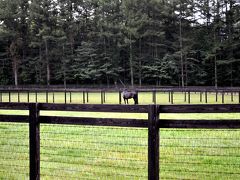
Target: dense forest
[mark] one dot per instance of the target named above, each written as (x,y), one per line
(158,42)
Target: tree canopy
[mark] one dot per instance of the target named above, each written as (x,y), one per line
(160,42)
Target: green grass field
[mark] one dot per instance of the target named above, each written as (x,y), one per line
(85,152)
(113,98)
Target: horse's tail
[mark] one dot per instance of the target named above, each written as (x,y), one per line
(135,97)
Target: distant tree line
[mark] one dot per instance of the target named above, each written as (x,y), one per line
(160,42)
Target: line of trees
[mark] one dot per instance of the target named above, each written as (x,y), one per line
(161,42)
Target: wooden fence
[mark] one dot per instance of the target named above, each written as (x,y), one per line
(153,124)
(203,93)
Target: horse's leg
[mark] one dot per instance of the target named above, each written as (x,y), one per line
(135,98)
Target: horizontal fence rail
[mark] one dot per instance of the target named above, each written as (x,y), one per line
(153,90)
(153,123)
(216,108)
(95,108)
(94,121)
(116,88)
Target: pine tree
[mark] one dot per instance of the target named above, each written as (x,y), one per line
(13,16)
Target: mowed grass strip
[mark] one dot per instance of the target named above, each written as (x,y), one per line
(120,153)
(14,151)
(199,154)
(76,152)
(86,151)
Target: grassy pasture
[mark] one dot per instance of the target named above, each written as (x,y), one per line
(113,98)
(85,152)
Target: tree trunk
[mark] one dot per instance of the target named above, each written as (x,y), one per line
(105,47)
(131,61)
(40,63)
(186,72)
(47,62)
(107,81)
(140,72)
(70,21)
(208,14)
(38,67)
(215,71)
(140,63)
(231,74)
(181,50)
(64,68)
(216,40)
(15,70)
(13,50)
(230,22)
(215,65)
(24,27)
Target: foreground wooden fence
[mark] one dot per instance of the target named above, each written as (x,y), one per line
(153,124)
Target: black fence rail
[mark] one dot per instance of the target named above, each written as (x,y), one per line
(49,94)
(152,125)
(117,87)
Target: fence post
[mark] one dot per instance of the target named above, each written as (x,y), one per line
(83,97)
(53,97)
(18,94)
(206,98)
(153,143)
(47,96)
(154,96)
(9,96)
(87,96)
(34,141)
(216,96)
(172,97)
(185,96)
(0,96)
(36,98)
(169,96)
(239,97)
(223,97)
(232,96)
(102,97)
(120,98)
(70,94)
(65,96)
(28,98)
(189,97)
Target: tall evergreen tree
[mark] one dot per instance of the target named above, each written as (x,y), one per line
(176,42)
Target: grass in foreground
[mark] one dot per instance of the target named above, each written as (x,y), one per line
(85,152)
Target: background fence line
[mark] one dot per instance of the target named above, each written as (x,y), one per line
(67,93)
(153,124)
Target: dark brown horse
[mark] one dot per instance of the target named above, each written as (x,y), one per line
(128,95)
